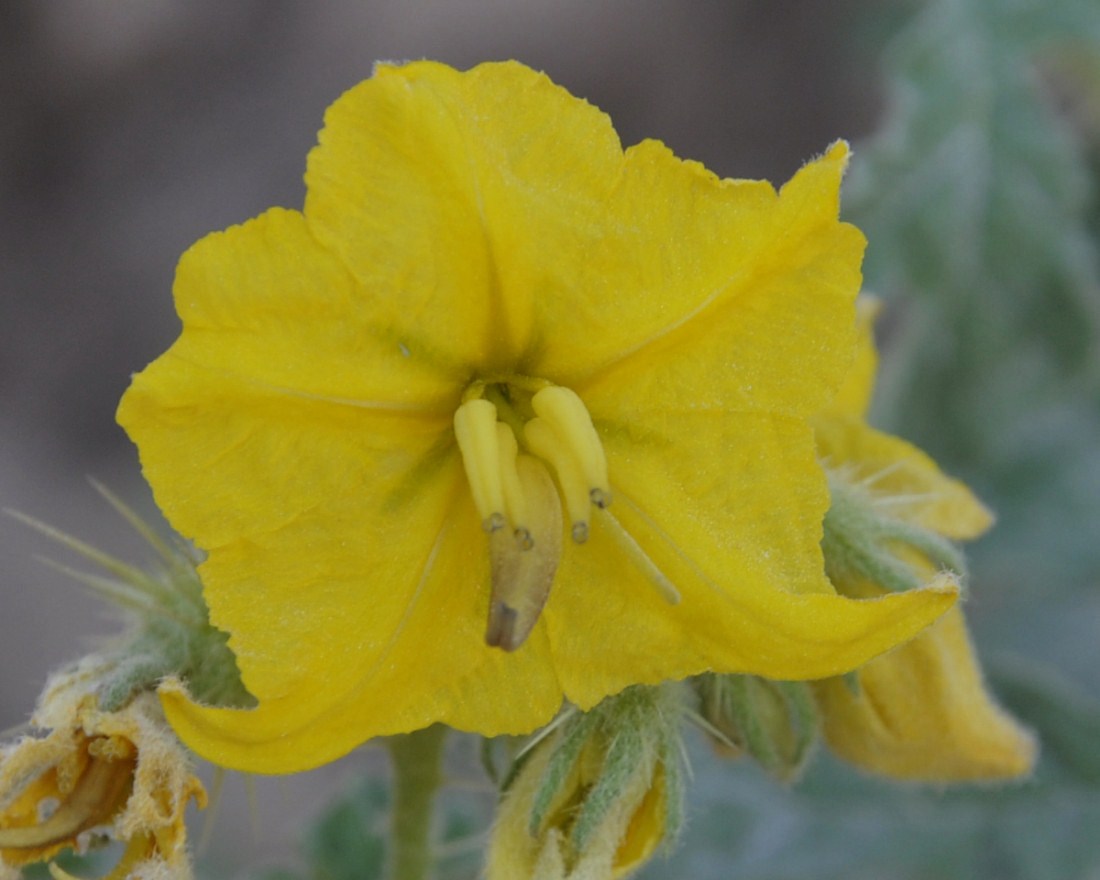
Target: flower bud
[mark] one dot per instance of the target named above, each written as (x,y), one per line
(597,796)
(773,721)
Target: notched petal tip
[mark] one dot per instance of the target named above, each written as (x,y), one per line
(839,151)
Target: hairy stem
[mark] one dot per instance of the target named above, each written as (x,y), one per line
(417,771)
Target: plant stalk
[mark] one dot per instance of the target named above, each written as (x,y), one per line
(417,772)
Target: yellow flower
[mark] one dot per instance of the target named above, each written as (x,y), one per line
(499,385)
(920,712)
(123,771)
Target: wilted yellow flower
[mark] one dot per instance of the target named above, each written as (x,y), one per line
(920,712)
(122,772)
(502,384)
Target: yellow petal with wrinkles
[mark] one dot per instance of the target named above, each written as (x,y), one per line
(854,396)
(386,637)
(321,494)
(903,476)
(282,395)
(609,627)
(922,713)
(448,191)
(703,294)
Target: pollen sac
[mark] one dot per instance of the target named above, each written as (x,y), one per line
(567,415)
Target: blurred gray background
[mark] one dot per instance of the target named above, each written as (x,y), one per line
(130,128)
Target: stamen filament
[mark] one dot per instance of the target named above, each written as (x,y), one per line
(649,568)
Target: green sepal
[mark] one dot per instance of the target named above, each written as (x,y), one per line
(168,629)
(862,540)
(775,722)
(634,733)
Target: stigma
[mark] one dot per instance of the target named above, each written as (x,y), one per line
(511,436)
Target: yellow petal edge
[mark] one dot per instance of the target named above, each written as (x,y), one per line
(922,713)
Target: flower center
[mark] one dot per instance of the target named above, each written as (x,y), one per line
(508,433)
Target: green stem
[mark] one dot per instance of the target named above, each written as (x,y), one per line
(417,771)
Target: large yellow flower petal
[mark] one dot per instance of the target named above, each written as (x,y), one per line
(371,654)
(922,712)
(695,412)
(389,638)
(706,294)
(854,396)
(738,540)
(289,435)
(609,626)
(449,191)
(280,395)
(334,538)
(918,491)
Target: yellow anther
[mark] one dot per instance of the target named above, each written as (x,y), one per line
(547,444)
(566,413)
(479,443)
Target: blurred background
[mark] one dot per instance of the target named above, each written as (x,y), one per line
(131,128)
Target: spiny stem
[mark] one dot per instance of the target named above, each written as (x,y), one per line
(417,770)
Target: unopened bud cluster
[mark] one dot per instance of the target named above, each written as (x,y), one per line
(598,795)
